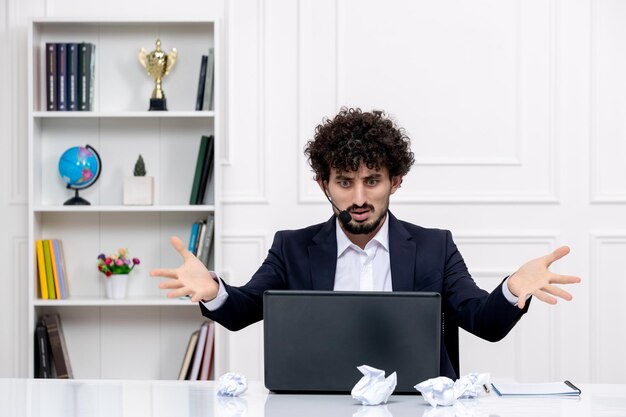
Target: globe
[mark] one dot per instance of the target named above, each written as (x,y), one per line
(79,168)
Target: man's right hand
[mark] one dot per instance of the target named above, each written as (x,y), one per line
(191,278)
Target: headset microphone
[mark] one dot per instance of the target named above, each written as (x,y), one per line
(344,216)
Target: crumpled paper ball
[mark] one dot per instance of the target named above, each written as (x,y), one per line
(443,391)
(373,388)
(232,384)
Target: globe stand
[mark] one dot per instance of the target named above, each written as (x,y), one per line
(76,200)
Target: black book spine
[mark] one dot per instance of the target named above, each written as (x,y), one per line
(51,76)
(72,77)
(61,90)
(42,352)
(207,169)
(201,81)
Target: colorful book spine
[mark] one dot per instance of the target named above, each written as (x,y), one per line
(55,269)
(51,76)
(193,237)
(49,273)
(41,268)
(60,269)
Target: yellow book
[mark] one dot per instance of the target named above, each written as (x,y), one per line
(55,270)
(41,267)
(49,277)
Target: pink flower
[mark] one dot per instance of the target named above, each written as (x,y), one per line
(136,261)
(108,261)
(119,262)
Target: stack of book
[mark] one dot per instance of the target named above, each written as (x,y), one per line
(198,360)
(51,356)
(204,97)
(201,239)
(53,284)
(204,170)
(70,76)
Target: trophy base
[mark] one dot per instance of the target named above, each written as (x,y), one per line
(158,104)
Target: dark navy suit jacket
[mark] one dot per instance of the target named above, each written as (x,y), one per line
(421,260)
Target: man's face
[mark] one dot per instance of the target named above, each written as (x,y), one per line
(364,194)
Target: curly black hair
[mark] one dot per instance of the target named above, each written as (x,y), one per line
(353,137)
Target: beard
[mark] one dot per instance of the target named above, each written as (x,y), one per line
(364,228)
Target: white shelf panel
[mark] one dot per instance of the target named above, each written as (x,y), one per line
(105,302)
(124,114)
(125,209)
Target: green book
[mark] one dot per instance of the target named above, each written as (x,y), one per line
(49,274)
(195,188)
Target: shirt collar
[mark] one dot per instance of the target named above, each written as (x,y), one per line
(381,238)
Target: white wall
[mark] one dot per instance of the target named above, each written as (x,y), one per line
(516,111)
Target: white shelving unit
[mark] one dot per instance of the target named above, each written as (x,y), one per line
(145,335)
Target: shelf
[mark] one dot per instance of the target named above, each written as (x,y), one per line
(124,209)
(123,114)
(105,302)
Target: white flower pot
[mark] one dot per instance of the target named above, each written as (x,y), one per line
(116,285)
(139,191)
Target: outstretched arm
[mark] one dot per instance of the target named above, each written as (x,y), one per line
(191,278)
(534,278)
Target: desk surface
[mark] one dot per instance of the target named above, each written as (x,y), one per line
(107,398)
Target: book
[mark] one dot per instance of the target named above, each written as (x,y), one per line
(191,346)
(61,84)
(193,237)
(65,287)
(199,244)
(201,81)
(207,241)
(58,346)
(207,103)
(49,274)
(204,142)
(41,269)
(71,96)
(86,69)
(42,353)
(60,269)
(51,76)
(564,388)
(207,357)
(207,170)
(197,356)
(55,271)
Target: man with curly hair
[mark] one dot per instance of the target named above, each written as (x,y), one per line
(359,160)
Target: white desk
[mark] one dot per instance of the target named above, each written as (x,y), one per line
(107,398)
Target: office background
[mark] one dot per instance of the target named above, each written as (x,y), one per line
(516,111)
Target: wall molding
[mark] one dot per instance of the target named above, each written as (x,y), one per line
(260,196)
(597,241)
(308,193)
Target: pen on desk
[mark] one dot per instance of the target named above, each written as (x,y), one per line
(486,388)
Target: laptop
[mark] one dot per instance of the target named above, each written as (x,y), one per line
(314,340)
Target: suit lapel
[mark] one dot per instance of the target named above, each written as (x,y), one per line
(402,252)
(323,257)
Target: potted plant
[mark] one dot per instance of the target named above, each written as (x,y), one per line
(139,189)
(116,268)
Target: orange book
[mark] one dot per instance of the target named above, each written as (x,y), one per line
(55,269)
(41,267)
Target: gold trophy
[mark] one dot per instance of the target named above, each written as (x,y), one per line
(158,64)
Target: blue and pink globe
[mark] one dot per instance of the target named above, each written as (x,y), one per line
(79,167)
